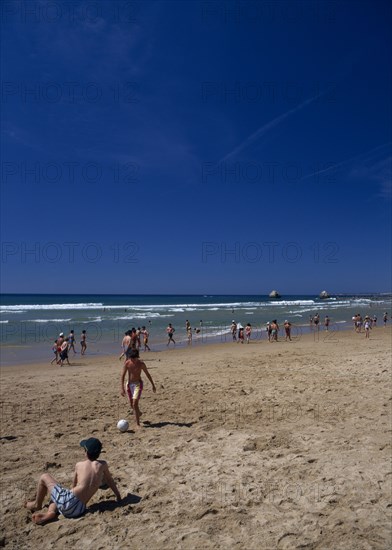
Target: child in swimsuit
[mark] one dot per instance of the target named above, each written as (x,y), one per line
(134,387)
(54,349)
(89,476)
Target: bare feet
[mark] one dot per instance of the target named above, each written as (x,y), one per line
(42,518)
(31,505)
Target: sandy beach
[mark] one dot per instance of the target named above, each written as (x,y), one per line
(260,446)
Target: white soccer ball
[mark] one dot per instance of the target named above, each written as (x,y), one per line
(123,425)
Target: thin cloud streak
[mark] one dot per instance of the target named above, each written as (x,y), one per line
(346,161)
(269,126)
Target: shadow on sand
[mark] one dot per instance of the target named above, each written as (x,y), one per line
(110,505)
(148,424)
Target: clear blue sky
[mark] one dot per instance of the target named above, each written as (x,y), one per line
(240,146)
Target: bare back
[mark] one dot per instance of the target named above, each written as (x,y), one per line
(89,476)
(126,342)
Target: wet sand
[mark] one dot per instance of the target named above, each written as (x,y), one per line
(260,446)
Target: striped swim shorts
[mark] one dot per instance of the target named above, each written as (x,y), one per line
(67,503)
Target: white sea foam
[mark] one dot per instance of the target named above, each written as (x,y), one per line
(6,321)
(47,320)
(331,302)
(140,316)
(52,306)
(289,303)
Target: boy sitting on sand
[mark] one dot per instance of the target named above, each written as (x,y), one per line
(134,367)
(89,476)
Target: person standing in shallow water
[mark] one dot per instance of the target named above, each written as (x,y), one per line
(248,332)
(188,329)
(367,326)
(269,331)
(71,341)
(170,333)
(54,349)
(316,321)
(274,331)
(146,336)
(287,329)
(233,330)
(63,356)
(83,343)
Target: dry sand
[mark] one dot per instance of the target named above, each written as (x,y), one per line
(256,446)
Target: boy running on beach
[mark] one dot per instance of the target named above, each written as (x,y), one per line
(134,387)
(89,476)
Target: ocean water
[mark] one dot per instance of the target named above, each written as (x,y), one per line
(30,323)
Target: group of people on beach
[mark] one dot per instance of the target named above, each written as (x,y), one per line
(241,334)
(170,330)
(368,322)
(136,338)
(93,474)
(62,346)
(238,333)
(314,322)
(132,340)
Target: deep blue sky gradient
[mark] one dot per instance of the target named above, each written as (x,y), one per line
(219,126)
